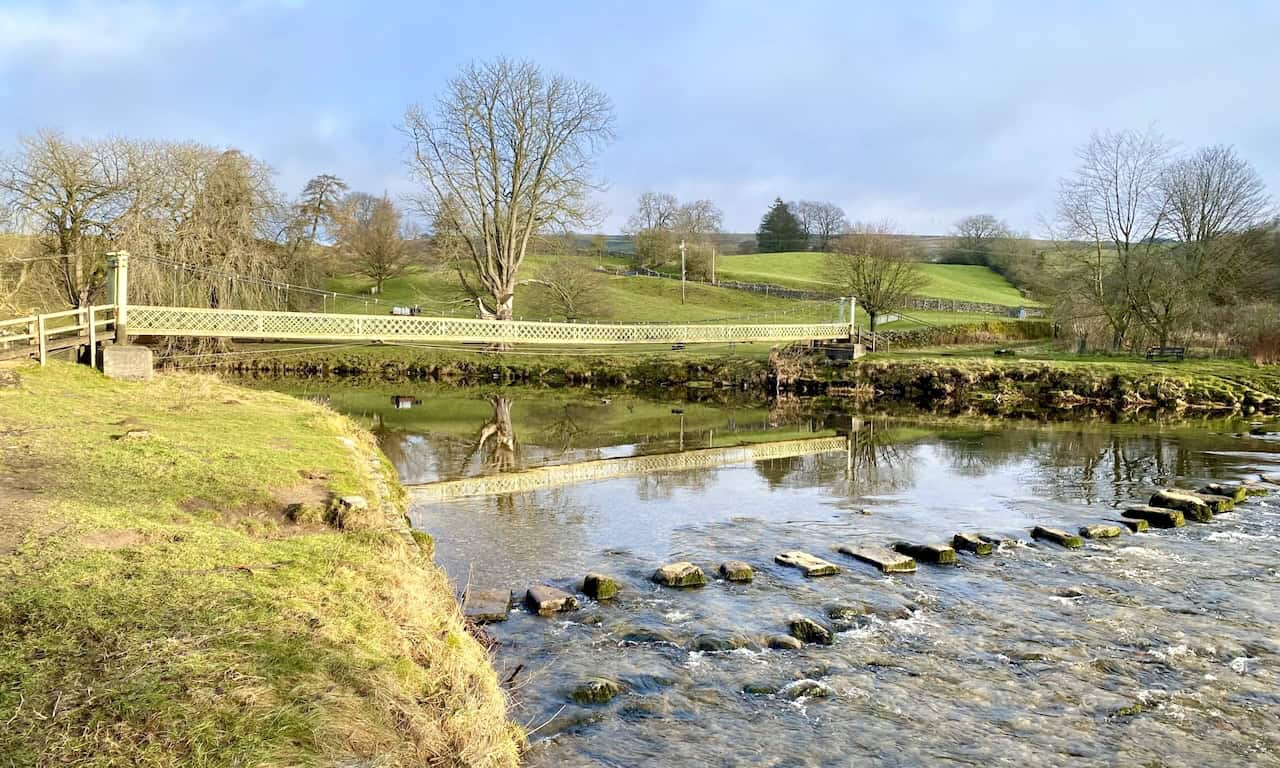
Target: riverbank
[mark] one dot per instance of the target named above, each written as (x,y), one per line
(938,380)
(179,587)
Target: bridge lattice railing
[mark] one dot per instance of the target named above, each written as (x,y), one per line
(316,326)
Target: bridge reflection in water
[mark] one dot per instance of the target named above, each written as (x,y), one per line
(603,469)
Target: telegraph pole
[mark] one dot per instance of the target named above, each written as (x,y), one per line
(682,271)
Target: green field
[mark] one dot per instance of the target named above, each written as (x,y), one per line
(650,299)
(804,270)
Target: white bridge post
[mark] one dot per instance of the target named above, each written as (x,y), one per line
(118,292)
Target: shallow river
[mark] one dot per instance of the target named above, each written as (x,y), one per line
(1158,648)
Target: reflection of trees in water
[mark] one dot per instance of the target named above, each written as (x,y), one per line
(496,447)
(878,462)
(660,486)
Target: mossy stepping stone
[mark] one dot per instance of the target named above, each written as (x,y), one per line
(1186,502)
(1156,516)
(1057,536)
(883,558)
(807,564)
(682,574)
(938,554)
(1100,531)
(972,542)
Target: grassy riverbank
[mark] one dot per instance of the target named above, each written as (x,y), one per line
(1047,380)
(158,606)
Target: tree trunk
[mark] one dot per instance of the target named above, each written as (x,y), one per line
(504,308)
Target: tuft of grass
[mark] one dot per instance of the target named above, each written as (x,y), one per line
(158,607)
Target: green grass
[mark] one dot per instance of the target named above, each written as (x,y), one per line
(804,270)
(157,609)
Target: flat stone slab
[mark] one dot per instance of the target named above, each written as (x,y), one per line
(1255,489)
(972,542)
(1273,479)
(682,574)
(1100,531)
(598,586)
(1189,504)
(883,558)
(808,564)
(1156,516)
(1136,525)
(1057,536)
(1236,491)
(128,362)
(487,605)
(1217,503)
(938,554)
(736,570)
(545,600)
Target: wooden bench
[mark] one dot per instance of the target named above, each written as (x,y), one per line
(1166,353)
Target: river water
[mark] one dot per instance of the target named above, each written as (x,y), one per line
(1159,648)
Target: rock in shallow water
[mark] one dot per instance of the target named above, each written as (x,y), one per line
(682,574)
(1217,503)
(812,689)
(545,600)
(1136,525)
(598,586)
(1157,517)
(1057,536)
(785,643)
(487,605)
(807,630)
(972,542)
(808,564)
(939,554)
(1100,531)
(1187,503)
(1235,491)
(736,570)
(596,690)
(883,558)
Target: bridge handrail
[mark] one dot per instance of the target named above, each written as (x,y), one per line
(318,326)
(37,331)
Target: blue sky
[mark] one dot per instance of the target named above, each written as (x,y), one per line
(919,113)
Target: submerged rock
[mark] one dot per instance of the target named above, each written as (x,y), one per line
(1272,479)
(487,605)
(1187,503)
(759,689)
(846,614)
(708,643)
(1057,536)
(812,689)
(883,558)
(1156,516)
(807,630)
(682,574)
(1235,491)
(972,542)
(938,554)
(1100,531)
(545,600)
(598,586)
(1135,525)
(596,690)
(736,570)
(1217,504)
(808,564)
(785,643)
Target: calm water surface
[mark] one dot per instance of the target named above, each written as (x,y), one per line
(1161,648)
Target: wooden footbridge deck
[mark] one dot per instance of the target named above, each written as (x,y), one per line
(605,469)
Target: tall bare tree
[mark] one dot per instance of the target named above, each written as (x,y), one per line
(1111,212)
(573,287)
(873,265)
(73,192)
(371,237)
(507,153)
(821,221)
(654,210)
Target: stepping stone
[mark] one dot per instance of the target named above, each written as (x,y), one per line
(486,605)
(785,643)
(809,565)
(972,542)
(1272,479)
(1255,489)
(1189,504)
(598,586)
(1217,503)
(682,574)
(995,541)
(938,554)
(883,558)
(1100,531)
(545,600)
(736,570)
(596,690)
(1235,491)
(809,631)
(1136,525)
(1057,536)
(1157,517)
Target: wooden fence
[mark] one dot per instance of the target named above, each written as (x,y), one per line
(40,335)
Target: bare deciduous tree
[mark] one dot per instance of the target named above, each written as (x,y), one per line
(698,220)
(654,211)
(573,287)
(371,237)
(872,265)
(508,152)
(821,221)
